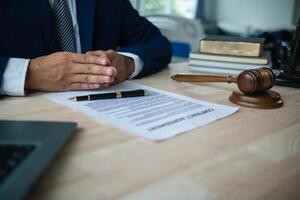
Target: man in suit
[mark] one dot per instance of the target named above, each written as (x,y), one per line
(61,45)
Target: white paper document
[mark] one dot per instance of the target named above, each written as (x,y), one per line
(158,116)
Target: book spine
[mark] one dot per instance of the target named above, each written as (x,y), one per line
(235,59)
(231,48)
(225,65)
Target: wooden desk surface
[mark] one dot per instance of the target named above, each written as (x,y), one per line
(253,154)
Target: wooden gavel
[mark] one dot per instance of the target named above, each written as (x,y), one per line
(249,81)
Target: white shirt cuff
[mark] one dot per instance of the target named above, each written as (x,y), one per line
(138,63)
(13,80)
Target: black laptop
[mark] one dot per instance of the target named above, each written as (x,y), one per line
(26,149)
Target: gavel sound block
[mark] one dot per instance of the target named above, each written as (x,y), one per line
(254,86)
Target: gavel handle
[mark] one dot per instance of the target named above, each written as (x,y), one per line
(203,78)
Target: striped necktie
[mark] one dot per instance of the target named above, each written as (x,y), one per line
(64,26)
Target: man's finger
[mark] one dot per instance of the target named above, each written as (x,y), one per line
(100,54)
(97,79)
(93,69)
(111,54)
(96,53)
(89,59)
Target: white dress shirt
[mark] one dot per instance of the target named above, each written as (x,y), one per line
(13,81)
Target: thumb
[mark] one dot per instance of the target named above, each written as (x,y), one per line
(111,54)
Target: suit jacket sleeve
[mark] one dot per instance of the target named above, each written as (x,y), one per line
(140,37)
(3,62)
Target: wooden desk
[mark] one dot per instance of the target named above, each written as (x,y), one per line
(253,154)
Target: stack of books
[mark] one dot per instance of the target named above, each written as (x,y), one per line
(229,55)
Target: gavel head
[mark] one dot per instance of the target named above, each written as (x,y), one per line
(256,80)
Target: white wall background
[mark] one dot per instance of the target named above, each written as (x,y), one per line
(297,11)
(246,16)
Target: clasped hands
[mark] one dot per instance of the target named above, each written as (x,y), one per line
(64,71)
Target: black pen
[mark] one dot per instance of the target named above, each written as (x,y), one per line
(113,95)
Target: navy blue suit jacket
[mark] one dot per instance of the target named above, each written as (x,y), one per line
(27,31)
